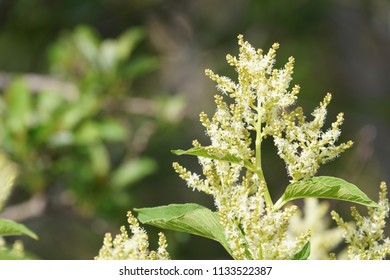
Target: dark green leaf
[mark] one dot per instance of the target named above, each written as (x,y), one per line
(132,171)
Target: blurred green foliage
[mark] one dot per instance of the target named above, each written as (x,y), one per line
(100,66)
(82,133)
(89,107)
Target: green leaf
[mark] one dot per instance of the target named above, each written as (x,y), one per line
(18,105)
(325,187)
(140,66)
(83,108)
(85,41)
(190,218)
(304,253)
(132,171)
(8,227)
(127,42)
(112,130)
(88,133)
(207,153)
(99,159)
(203,152)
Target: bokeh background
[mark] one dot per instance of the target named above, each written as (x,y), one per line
(95,94)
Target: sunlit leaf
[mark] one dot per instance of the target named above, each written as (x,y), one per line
(205,152)
(8,227)
(190,218)
(325,187)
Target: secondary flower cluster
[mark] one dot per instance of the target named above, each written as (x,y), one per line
(136,247)
(304,146)
(315,218)
(366,237)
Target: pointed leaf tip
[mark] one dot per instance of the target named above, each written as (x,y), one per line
(325,187)
(9,227)
(304,253)
(208,152)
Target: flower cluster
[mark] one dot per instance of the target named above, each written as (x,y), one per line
(136,247)
(255,228)
(261,91)
(304,146)
(232,169)
(365,237)
(314,217)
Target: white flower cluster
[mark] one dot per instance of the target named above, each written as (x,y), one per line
(252,229)
(261,91)
(366,237)
(314,217)
(232,170)
(304,146)
(136,247)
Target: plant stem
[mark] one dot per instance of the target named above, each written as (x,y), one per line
(259,170)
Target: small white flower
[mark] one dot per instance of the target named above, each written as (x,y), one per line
(136,247)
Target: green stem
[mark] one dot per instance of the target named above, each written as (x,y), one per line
(259,169)
(260,256)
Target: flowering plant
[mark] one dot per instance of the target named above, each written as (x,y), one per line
(247,222)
